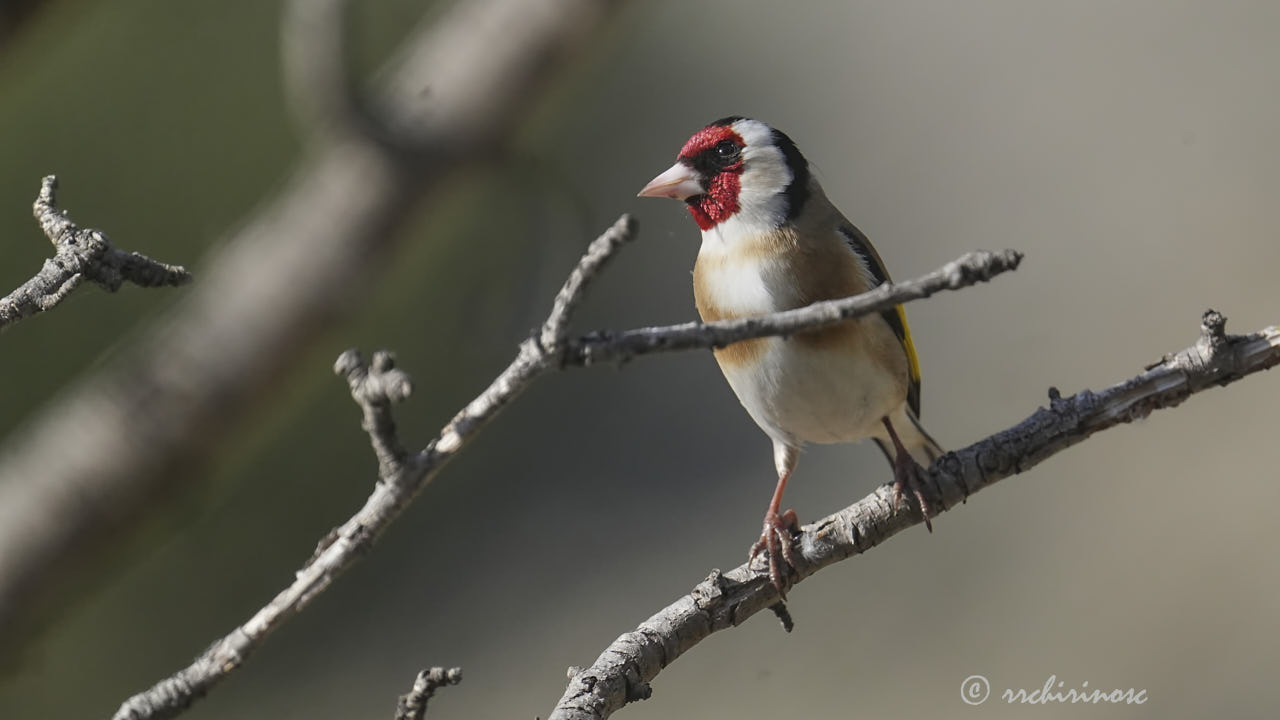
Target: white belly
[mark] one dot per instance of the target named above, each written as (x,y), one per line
(799,393)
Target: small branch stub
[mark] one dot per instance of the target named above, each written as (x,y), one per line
(413,705)
(375,387)
(79,254)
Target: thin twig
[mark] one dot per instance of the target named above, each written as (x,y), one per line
(971,268)
(413,705)
(345,544)
(570,296)
(79,254)
(624,670)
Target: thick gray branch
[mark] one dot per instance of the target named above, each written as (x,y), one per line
(623,671)
(79,254)
(413,705)
(113,441)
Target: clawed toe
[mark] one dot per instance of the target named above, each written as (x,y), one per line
(778,544)
(908,475)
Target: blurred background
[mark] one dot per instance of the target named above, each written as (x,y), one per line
(1129,149)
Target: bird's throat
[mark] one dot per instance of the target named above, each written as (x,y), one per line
(719,203)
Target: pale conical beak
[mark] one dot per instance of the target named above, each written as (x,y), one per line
(679,181)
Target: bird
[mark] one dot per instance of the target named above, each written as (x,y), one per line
(772,241)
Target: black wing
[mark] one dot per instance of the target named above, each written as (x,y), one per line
(897,316)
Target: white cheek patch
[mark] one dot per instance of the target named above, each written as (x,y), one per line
(762,198)
(754,133)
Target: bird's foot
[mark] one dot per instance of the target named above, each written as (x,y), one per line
(909,476)
(778,543)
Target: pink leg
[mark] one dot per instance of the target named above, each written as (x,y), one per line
(776,537)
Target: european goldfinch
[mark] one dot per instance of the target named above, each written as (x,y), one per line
(771,241)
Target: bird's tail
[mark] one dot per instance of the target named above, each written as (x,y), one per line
(923,448)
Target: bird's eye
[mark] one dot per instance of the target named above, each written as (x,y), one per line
(726,149)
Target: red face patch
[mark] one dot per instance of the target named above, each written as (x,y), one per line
(720,202)
(721,173)
(706,138)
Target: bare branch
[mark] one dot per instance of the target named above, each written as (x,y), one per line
(402,478)
(345,544)
(971,268)
(623,671)
(413,705)
(116,439)
(80,254)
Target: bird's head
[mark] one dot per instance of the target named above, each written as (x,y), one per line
(737,168)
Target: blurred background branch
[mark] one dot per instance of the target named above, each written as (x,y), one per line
(319,72)
(725,600)
(80,254)
(110,443)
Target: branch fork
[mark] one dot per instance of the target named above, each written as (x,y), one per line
(79,254)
